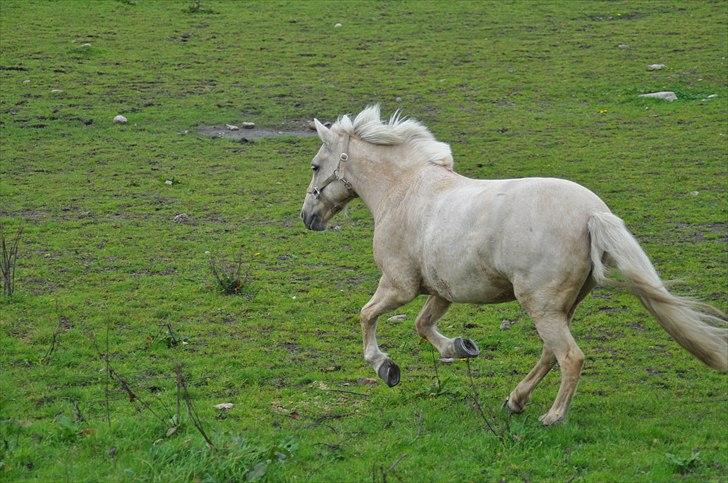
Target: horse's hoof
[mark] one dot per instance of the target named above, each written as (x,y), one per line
(389,371)
(465,348)
(549,419)
(511,407)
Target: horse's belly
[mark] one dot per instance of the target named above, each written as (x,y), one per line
(466,283)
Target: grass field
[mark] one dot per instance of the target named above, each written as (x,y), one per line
(518,89)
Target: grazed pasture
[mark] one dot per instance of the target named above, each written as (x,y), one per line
(115,317)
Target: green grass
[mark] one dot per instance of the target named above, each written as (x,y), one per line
(517,89)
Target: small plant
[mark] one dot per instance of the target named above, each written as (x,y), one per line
(195,6)
(503,433)
(171,338)
(9,249)
(684,465)
(184,395)
(232,277)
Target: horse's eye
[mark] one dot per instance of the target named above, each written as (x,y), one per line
(314,168)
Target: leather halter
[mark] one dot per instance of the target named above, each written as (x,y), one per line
(318,192)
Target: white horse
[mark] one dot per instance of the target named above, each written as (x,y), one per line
(542,241)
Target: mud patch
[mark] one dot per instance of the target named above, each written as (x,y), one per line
(698,232)
(249,135)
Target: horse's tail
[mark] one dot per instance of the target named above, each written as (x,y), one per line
(694,325)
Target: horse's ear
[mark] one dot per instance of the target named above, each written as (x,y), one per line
(327,137)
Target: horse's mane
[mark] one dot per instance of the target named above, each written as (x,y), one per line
(368,126)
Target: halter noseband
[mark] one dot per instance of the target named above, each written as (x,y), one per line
(318,192)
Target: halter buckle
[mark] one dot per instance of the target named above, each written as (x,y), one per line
(344,157)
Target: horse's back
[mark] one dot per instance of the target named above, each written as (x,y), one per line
(484,234)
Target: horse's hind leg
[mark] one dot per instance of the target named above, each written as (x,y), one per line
(426,325)
(554,330)
(387,297)
(522,393)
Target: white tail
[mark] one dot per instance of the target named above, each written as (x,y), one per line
(694,325)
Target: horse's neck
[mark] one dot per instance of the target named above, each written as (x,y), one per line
(384,183)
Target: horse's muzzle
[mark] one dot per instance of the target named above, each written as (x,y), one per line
(313,221)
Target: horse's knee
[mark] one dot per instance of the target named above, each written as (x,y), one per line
(573,360)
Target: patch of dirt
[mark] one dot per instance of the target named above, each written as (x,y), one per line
(695,232)
(294,128)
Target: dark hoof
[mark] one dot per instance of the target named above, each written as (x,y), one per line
(389,371)
(465,348)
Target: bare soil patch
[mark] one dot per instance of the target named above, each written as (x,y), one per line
(297,129)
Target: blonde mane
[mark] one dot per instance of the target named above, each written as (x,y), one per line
(368,126)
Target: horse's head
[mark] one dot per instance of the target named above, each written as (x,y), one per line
(329,190)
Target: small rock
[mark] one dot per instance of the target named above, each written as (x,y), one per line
(87,45)
(312,125)
(623,46)
(56,91)
(169,182)
(507,324)
(181,218)
(694,193)
(712,96)
(664,95)
(224,406)
(337,26)
(397,318)
(232,127)
(120,119)
(398,99)
(26,81)
(656,66)
(186,131)
(248,125)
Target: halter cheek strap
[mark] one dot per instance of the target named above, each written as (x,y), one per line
(317,191)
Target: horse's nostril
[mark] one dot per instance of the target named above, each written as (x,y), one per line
(301,214)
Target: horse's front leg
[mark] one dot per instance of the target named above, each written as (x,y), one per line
(426,325)
(386,298)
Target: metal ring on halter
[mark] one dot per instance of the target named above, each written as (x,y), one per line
(344,157)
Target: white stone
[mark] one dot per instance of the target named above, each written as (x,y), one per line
(56,91)
(664,95)
(248,125)
(224,406)
(397,318)
(656,66)
(232,127)
(86,45)
(712,96)
(169,182)
(181,218)
(694,193)
(26,81)
(623,46)
(120,119)
(337,26)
